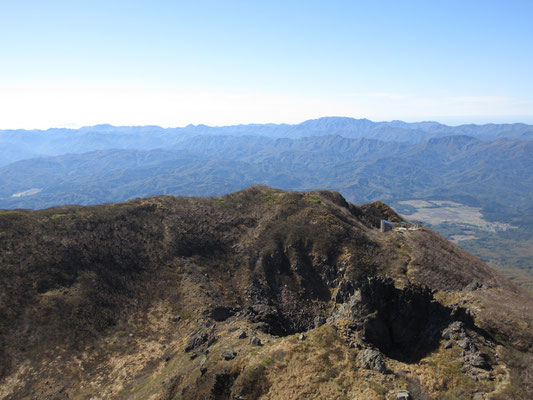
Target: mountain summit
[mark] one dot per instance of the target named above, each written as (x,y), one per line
(259,294)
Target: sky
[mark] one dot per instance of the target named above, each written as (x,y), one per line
(173,63)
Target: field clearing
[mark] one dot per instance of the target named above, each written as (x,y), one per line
(439,212)
(507,250)
(458,238)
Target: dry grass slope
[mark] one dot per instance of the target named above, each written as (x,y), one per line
(186,298)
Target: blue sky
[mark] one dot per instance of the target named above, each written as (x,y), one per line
(171,63)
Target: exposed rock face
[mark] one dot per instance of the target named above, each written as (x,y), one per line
(344,291)
(262,264)
(403,323)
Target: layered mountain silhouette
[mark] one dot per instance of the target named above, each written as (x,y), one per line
(22,144)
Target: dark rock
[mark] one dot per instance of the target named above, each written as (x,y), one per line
(229,354)
(401,322)
(198,339)
(203,370)
(377,332)
(255,341)
(372,359)
(344,291)
(176,318)
(193,356)
(242,335)
(264,311)
(222,386)
(267,319)
(222,313)
(211,339)
(479,360)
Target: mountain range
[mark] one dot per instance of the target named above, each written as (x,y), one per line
(454,168)
(22,144)
(486,171)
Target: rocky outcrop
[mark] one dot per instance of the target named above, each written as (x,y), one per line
(222,313)
(200,339)
(471,358)
(372,359)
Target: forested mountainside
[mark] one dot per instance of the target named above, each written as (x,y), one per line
(258,294)
(458,168)
(472,183)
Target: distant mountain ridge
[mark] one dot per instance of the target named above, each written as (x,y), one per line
(486,169)
(448,168)
(23,144)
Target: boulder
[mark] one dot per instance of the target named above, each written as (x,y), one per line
(198,338)
(372,359)
(255,341)
(479,360)
(229,354)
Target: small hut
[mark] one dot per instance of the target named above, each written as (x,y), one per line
(386,225)
(403,395)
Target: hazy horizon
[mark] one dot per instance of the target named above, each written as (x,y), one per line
(449,121)
(175,63)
